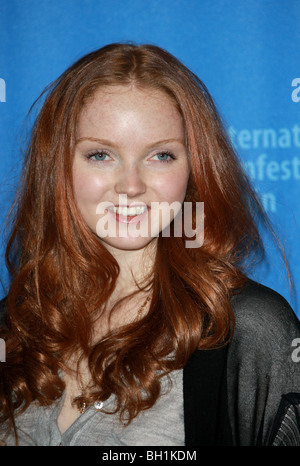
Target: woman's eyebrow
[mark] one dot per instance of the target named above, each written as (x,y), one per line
(166,141)
(101,141)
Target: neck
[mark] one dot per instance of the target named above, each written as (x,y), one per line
(135,268)
(135,273)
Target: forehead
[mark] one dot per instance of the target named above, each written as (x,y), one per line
(113,107)
(122,93)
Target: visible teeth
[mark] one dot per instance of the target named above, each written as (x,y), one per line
(130,211)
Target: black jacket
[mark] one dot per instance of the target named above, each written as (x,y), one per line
(247,393)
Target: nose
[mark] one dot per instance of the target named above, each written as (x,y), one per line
(130,182)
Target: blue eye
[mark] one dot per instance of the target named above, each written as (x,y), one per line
(165,156)
(97,156)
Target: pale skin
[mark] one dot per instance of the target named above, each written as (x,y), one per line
(130,141)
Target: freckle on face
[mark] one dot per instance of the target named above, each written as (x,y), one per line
(132,121)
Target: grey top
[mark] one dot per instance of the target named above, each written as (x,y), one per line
(161,425)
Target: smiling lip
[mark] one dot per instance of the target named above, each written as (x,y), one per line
(129,214)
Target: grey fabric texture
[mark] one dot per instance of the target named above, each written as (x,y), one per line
(161,425)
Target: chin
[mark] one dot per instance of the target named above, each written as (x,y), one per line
(126,244)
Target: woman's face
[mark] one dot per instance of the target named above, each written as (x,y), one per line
(130,169)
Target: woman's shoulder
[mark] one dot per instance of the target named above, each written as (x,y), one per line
(259,300)
(262,311)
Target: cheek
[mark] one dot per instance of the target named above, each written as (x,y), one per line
(173,187)
(88,187)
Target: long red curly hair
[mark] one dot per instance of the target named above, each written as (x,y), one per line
(61,276)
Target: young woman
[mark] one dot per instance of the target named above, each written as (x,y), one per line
(120,327)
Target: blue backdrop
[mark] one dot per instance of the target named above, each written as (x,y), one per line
(246,52)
